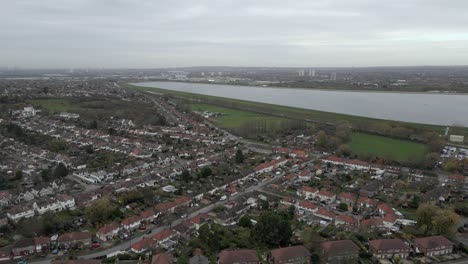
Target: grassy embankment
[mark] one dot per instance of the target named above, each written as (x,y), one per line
(233,118)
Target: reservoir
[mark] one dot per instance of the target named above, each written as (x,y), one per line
(426,108)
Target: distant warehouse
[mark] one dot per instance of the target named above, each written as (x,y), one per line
(457,138)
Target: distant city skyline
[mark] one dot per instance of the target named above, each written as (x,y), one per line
(273,33)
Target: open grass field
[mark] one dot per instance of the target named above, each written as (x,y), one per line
(399,150)
(233,118)
(56,105)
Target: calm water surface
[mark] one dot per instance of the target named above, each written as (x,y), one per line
(439,109)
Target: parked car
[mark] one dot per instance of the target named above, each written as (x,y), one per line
(95,245)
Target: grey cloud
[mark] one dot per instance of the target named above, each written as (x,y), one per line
(144,33)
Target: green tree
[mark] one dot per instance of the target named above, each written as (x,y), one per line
(205,172)
(430,160)
(185,176)
(239,156)
(344,150)
(18,175)
(56,145)
(273,229)
(101,211)
(322,139)
(311,240)
(437,221)
(446,222)
(343,206)
(60,171)
(244,221)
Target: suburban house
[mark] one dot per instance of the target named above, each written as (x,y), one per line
(339,251)
(5,198)
(49,205)
(148,215)
(108,231)
(306,206)
(198,258)
(143,245)
(19,212)
(372,223)
(269,166)
(42,244)
(66,201)
(131,222)
(23,247)
(288,201)
(325,214)
(433,246)
(365,202)
(289,255)
(326,196)
(164,235)
(162,258)
(73,239)
(198,220)
(388,248)
(240,256)
(346,221)
(307,192)
(347,198)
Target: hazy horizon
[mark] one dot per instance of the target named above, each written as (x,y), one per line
(143,34)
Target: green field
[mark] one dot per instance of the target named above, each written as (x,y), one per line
(396,149)
(56,105)
(233,118)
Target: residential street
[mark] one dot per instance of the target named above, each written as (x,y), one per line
(125,245)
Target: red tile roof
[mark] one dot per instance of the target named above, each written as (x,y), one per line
(290,176)
(238,256)
(347,196)
(163,235)
(388,245)
(390,218)
(162,258)
(147,213)
(308,205)
(339,247)
(433,242)
(325,193)
(288,253)
(349,220)
(75,236)
(387,209)
(324,212)
(372,222)
(143,244)
(109,228)
(269,164)
(131,219)
(199,218)
(308,189)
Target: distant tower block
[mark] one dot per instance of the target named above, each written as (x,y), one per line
(333,76)
(311,72)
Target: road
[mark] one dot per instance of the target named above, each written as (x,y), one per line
(125,245)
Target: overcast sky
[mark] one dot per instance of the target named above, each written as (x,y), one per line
(160,33)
